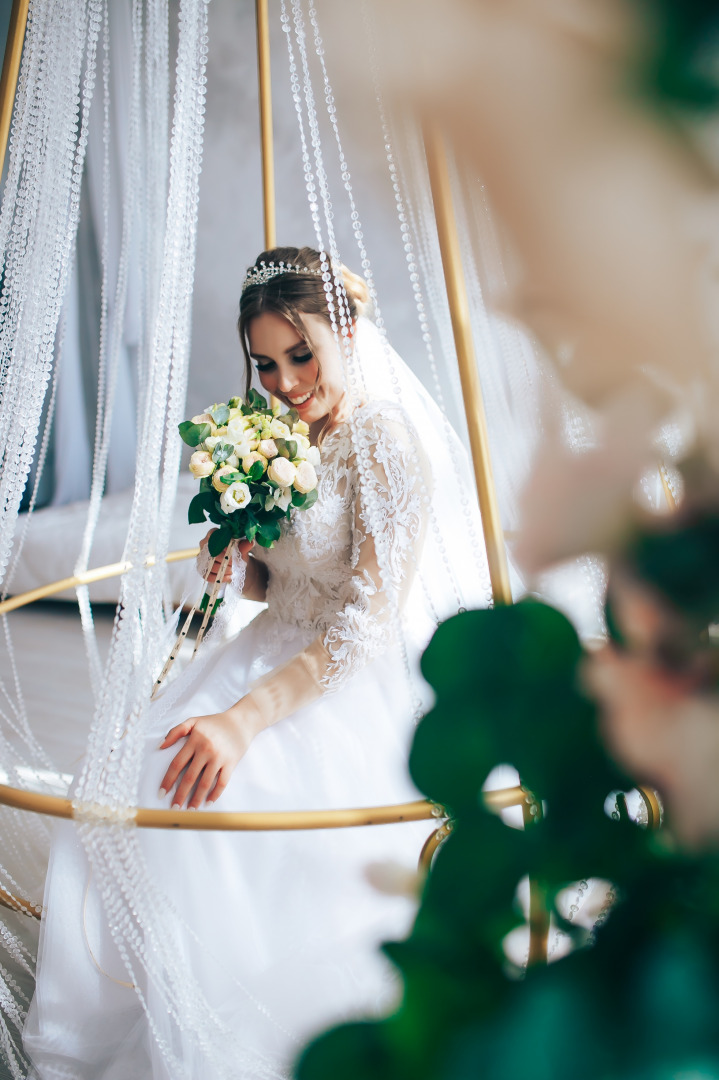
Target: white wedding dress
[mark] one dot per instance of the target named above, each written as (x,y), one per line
(279,930)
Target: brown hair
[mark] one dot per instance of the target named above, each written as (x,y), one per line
(294,295)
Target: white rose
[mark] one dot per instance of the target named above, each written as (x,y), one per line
(211,441)
(303,444)
(300,427)
(225,470)
(235,497)
(243,448)
(278,430)
(313,456)
(201,464)
(281,497)
(236,428)
(268,448)
(233,460)
(306,478)
(282,472)
(249,460)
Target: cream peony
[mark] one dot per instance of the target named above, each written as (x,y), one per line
(225,470)
(282,472)
(236,496)
(268,448)
(305,478)
(249,460)
(278,430)
(313,456)
(201,464)
(300,427)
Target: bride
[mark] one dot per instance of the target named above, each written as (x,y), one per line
(252,942)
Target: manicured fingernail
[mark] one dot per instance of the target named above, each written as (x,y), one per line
(162,792)
(176,806)
(192,808)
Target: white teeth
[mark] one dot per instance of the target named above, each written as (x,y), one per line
(299,400)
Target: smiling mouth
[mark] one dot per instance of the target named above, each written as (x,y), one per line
(300,400)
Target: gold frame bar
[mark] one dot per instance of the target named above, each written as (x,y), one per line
(100,573)
(11,70)
(468,372)
(264,82)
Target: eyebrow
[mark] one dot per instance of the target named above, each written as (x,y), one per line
(260,356)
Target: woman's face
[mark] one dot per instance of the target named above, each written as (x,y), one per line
(308,381)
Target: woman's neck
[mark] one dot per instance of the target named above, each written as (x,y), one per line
(340,413)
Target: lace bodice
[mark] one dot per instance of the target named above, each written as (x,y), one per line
(340,569)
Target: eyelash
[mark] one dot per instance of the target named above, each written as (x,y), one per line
(303,358)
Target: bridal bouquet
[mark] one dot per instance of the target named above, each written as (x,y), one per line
(255,466)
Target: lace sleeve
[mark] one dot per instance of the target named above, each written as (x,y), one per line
(388,531)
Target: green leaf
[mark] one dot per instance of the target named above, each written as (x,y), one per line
(206,483)
(230,477)
(220,414)
(298,499)
(219,540)
(262,540)
(251,530)
(222,451)
(291,449)
(198,506)
(310,499)
(256,400)
(193,434)
(282,448)
(246,410)
(269,530)
(256,471)
(234,402)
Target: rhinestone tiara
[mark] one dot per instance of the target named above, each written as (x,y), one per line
(258,275)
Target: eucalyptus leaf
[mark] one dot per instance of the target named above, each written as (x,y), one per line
(282,448)
(291,449)
(220,414)
(222,451)
(310,499)
(194,434)
(256,400)
(256,471)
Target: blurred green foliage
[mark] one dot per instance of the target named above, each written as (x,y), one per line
(682,67)
(642,1001)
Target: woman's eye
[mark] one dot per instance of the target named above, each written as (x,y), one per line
(265,367)
(302,358)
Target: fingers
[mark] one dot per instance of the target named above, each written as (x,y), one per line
(180,761)
(245,547)
(193,772)
(204,785)
(221,782)
(178,732)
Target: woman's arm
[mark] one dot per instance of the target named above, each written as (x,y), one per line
(386,550)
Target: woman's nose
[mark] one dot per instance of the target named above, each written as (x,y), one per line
(285,382)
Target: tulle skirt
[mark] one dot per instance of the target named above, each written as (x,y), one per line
(280,930)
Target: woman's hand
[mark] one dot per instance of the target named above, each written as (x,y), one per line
(214,745)
(244,547)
